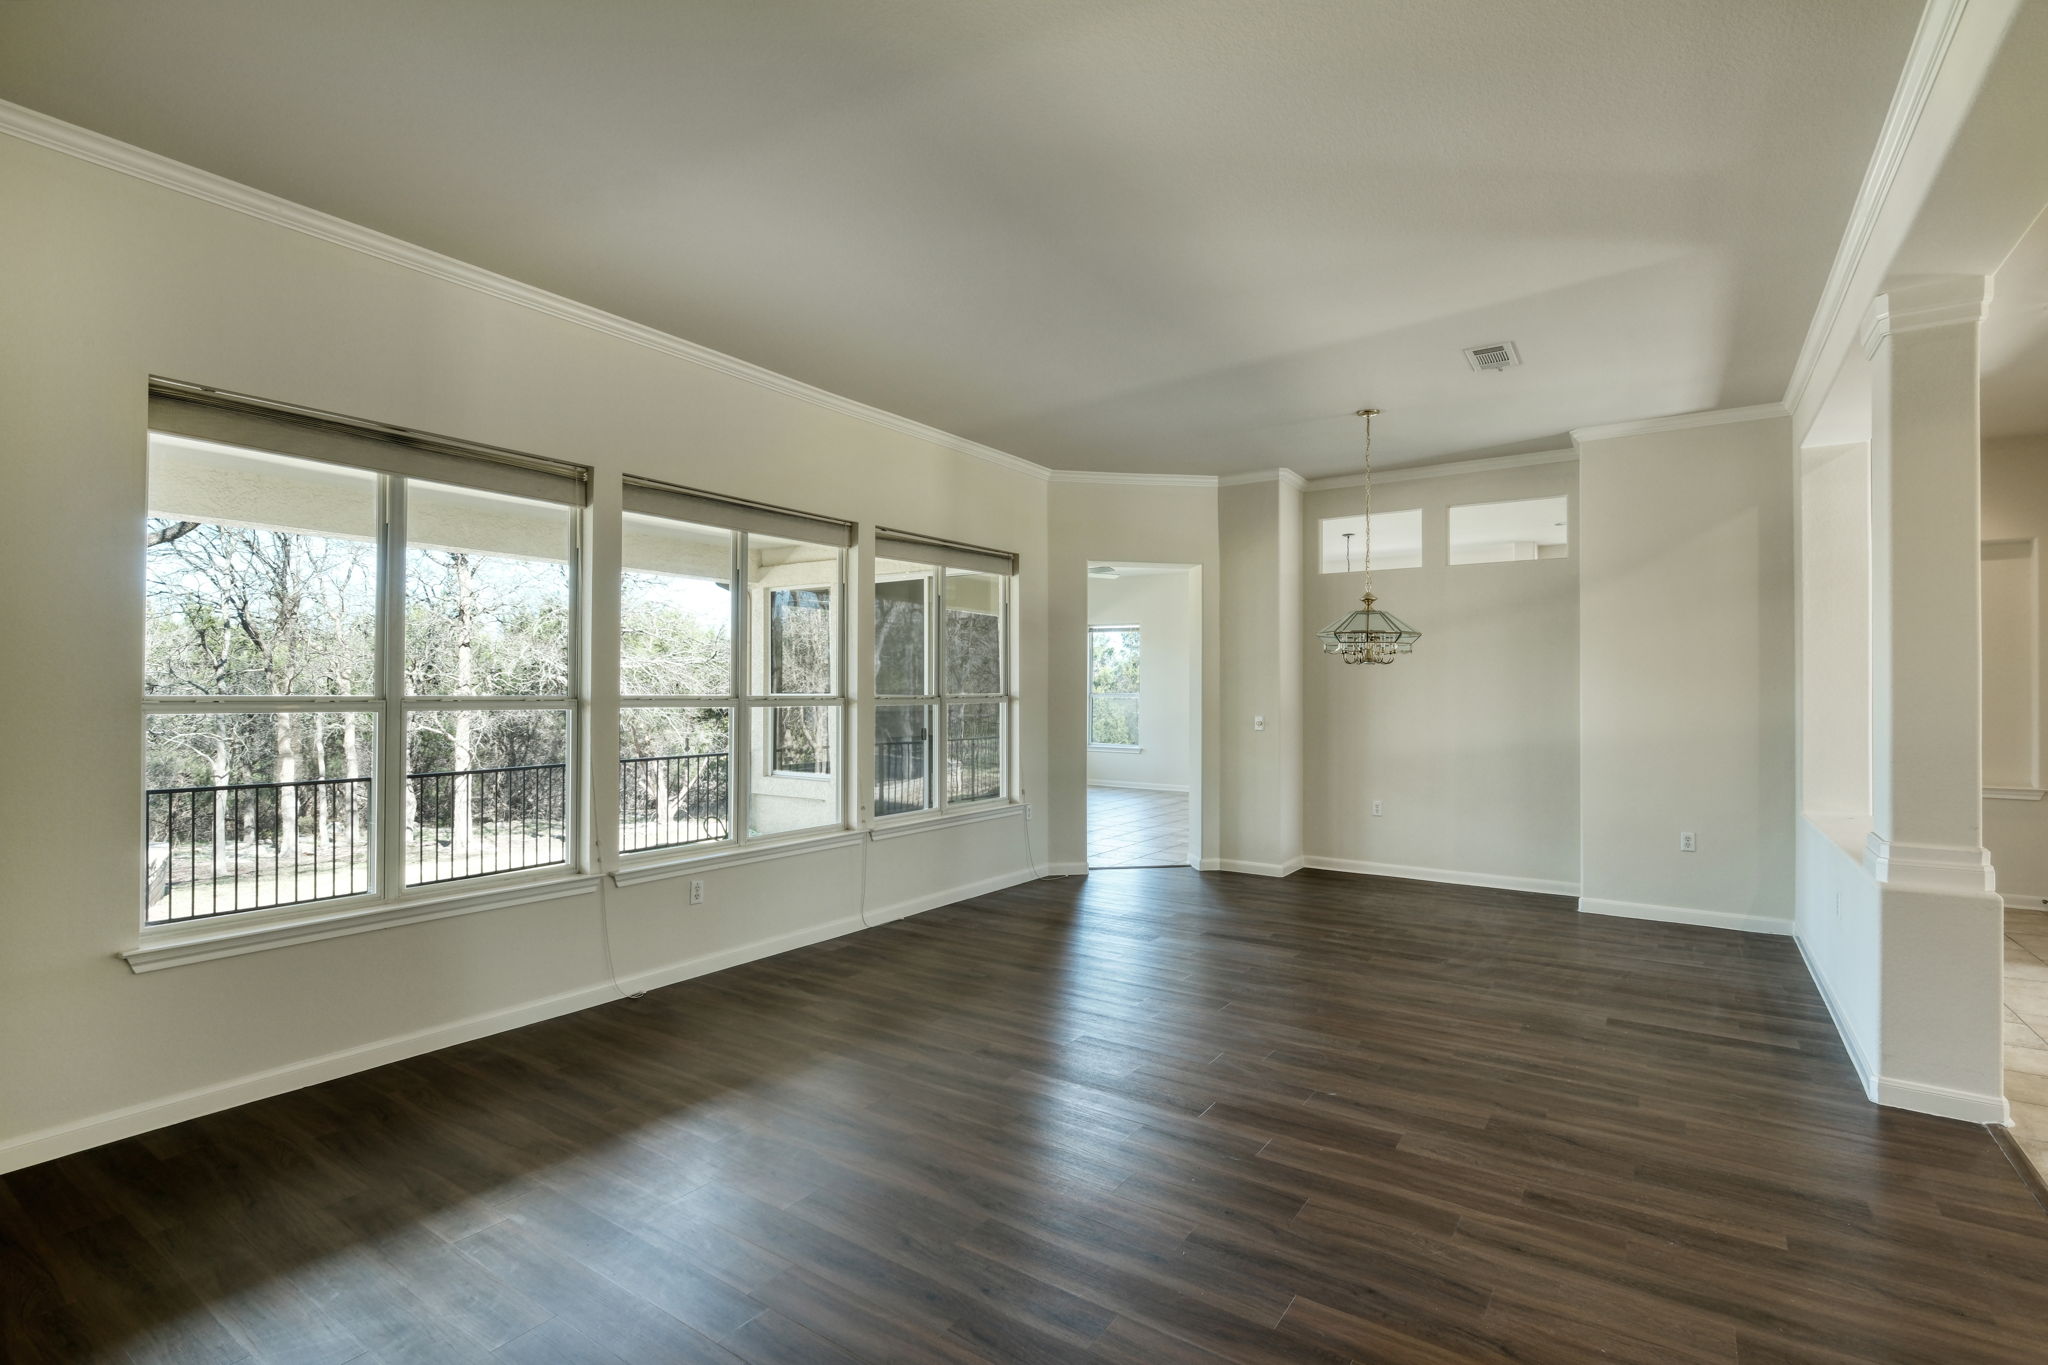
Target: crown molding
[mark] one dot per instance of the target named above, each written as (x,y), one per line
(1141,480)
(86,145)
(1951,53)
(1447,469)
(1285,477)
(1680,421)
(1937,301)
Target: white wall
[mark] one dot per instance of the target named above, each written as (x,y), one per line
(1686,673)
(1259,530)
(1163,608)
(1471,743)
(1834,632)
(2015,480)
(111,279)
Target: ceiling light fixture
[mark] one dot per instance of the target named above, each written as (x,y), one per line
(1369,635)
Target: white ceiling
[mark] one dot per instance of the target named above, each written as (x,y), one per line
(1099,234)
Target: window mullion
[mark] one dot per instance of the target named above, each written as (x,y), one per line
(739,767)
(388,878)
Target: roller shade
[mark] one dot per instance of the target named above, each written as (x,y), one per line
(232,420)
(924,550)
(652,499)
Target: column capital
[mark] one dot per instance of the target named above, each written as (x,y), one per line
(1927,867)
(1919,302)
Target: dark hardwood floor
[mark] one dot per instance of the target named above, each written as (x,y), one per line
(1153,1117)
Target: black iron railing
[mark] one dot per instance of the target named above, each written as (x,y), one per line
(974,772)
(673,799)
(247,845)
(477,821)
(974,767)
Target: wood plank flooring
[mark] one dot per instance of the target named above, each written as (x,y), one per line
(1146,1117)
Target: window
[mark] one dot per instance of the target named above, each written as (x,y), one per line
(357,678)
(1496,532)
(941,676)
(733,708)
(1113,658)
(1396,542)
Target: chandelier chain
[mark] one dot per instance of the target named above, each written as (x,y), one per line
(1367,414)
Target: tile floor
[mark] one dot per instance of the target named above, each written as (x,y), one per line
(1129,828)
(2026,1030)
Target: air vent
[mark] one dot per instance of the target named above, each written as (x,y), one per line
(1498,356)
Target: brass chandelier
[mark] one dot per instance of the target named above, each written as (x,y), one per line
(1368,635)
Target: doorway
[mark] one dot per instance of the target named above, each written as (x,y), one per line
(1144,714)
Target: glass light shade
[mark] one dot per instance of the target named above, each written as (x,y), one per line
(1369,635)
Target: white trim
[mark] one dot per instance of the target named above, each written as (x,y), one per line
(932,900)
(1115,749)
(1282,476)
(1448,469)
(2014,793)
(1180,787)
(1944,301)
(1859,1055)
(1968,1105)
(1286,869)
(2018,902)
(1927,867)
(1885,206)
(168,946)
(1677,914)
(1141,480)
(1678,421)
(1064,870)
(1493,881)
(86,145)
(632,874)
(927,824)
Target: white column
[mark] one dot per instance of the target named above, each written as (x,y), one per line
(1926,746)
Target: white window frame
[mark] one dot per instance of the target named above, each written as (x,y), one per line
(390,764)
(938,696)
(1137,698)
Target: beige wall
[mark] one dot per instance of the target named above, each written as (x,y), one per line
(109,280)
(1166,612)
(1686,673)
(1259,524)
(1834,632)
(2015,474)
(1471,743)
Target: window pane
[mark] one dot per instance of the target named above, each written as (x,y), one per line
(675,610)
(974,751)
(794,587)
(1113,659)
(261,574)
(250,810)
(674,777)
(486,792)
(1496,532)
(903,751)
(780,801)
(1396,542)
(974,633)
(903,594)
(486,594)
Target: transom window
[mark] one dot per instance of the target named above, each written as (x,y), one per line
(359,674)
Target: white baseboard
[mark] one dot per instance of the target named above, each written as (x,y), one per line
(2024,902)
(1859,1055)
(1677,914)
(1208,865)
(1180,787)
(917,905)
(1490,880)
(1967,1105)
(1065,870)
(1286,869)
(50,1143)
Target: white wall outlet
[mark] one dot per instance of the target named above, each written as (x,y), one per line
(1379,808)
(1027,811)
(1258,722)
(696,890)
(1686,843)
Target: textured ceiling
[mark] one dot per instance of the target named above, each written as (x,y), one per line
(1179,238)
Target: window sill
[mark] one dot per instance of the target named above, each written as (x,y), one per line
(1118,748)
(177,945)
(900,826)
(652,871)
(2014,793)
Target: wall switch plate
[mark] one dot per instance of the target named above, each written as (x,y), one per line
(1258,722)
(1686,843)
(1379,808)
(696,890)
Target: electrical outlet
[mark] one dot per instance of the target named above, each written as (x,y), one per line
(1027,811)
(1686,843)
(1379,808)
(1258,722)
(696,890)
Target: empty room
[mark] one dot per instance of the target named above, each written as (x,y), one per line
(956,681)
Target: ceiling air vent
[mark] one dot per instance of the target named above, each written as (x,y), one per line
(1498,356)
